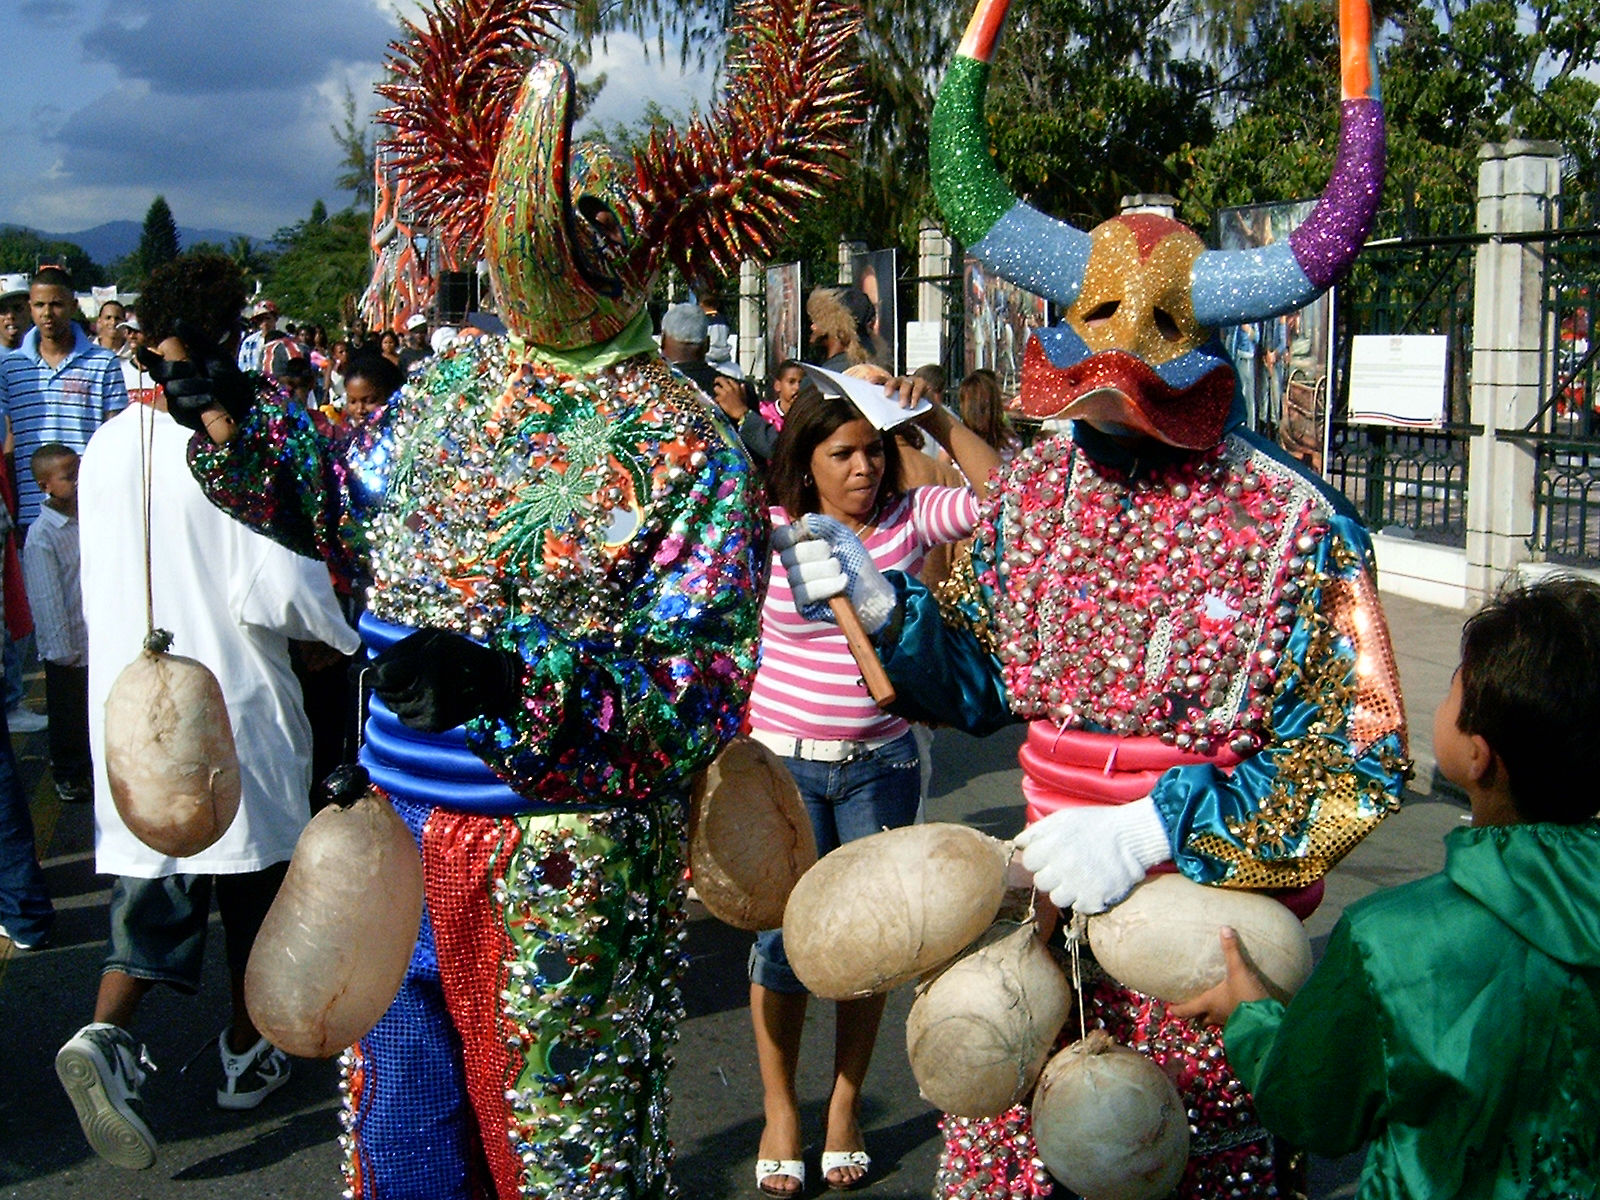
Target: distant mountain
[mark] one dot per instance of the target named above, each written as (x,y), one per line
(108,242)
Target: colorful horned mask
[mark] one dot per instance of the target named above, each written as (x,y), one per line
(572,235)
(1143,296)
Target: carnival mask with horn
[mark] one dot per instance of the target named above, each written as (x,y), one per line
(1143,296)
(574,236)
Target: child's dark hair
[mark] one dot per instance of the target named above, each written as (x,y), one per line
(48,453)
(1530,687)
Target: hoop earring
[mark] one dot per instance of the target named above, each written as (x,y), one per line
(807,480)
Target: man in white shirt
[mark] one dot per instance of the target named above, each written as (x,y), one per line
(233,600)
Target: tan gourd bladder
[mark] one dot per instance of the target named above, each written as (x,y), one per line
(750,839)
(979,1031)
(334,947)
(1163,939)
(1108,1122)
(882,910)
(169,751)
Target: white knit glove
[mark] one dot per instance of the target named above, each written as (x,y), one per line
(824,559)
(1090,858)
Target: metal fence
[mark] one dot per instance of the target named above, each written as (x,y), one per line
(1565,433)
(1414,277)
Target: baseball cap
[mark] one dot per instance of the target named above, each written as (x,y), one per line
(685,323)
(130,322)
(12,286)
(416,321)
(265,309)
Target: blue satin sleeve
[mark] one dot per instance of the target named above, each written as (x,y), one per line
(1335,760)
(941,673)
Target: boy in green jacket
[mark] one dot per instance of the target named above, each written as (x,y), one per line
(1454,1022)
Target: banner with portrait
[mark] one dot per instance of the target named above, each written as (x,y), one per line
(876,274)
(1282,363)
(783,315)
(1000,318)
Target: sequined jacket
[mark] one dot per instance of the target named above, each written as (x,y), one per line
(1222,601)
(1453,1023)
(603,526)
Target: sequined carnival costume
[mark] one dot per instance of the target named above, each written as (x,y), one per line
(1179,611)
(563,497)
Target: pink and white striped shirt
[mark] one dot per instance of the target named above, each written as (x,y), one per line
(807,685)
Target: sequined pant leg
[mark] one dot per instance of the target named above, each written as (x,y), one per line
(1230,1156)
(559,950)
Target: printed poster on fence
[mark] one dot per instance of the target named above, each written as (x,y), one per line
(1399,379)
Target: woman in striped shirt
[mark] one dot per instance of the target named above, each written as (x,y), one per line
(856,766)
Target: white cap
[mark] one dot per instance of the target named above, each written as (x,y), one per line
(11,286)
(416,321)
(442,338)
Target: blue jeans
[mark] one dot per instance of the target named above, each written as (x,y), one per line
(25,908)
(846,801)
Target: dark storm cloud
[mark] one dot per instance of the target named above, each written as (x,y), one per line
(223,47)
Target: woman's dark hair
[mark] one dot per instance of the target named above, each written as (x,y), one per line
(983,408)
(811,420)
(204,291)
(384,376)
(1530,687)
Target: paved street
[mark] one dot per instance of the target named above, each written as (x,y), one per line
(287,1148)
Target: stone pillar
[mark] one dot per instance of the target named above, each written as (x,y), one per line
(934,252)
(752,331)
(847,252)
(1517,184)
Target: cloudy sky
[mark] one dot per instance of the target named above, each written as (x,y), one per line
(222,106)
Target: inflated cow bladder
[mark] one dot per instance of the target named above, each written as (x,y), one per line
(170,757)
(882,910)
(979,1031)
(750,839)
(334,947)
(1109,1123)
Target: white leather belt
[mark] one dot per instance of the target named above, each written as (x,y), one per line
(817,749)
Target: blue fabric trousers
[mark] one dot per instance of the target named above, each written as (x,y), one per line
(25,908)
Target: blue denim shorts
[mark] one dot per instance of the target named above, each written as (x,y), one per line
(158,926)
(846,800)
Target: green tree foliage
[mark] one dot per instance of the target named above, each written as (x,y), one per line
(24,251)
(1453,76)
(322,263)
(1090,101)
(354,140)
(158,241)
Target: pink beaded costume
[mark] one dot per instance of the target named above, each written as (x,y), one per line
(1179,611)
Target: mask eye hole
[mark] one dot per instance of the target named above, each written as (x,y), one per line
(1102,312)
(1167,326)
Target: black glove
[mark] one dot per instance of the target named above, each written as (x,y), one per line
(208,378)
(435,680)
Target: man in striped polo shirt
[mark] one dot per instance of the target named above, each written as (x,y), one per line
(59,386)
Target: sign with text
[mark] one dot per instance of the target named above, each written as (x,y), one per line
(1398,379)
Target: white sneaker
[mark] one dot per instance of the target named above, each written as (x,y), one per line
(23,719)
(102,1069)
(251,1077)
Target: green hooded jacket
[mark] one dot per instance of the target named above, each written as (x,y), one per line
(1454,1023)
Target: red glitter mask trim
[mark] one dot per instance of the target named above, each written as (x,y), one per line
(1116,386)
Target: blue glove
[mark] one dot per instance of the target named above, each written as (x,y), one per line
(824,559)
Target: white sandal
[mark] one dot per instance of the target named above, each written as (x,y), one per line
(794,1168)
(833,1160)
